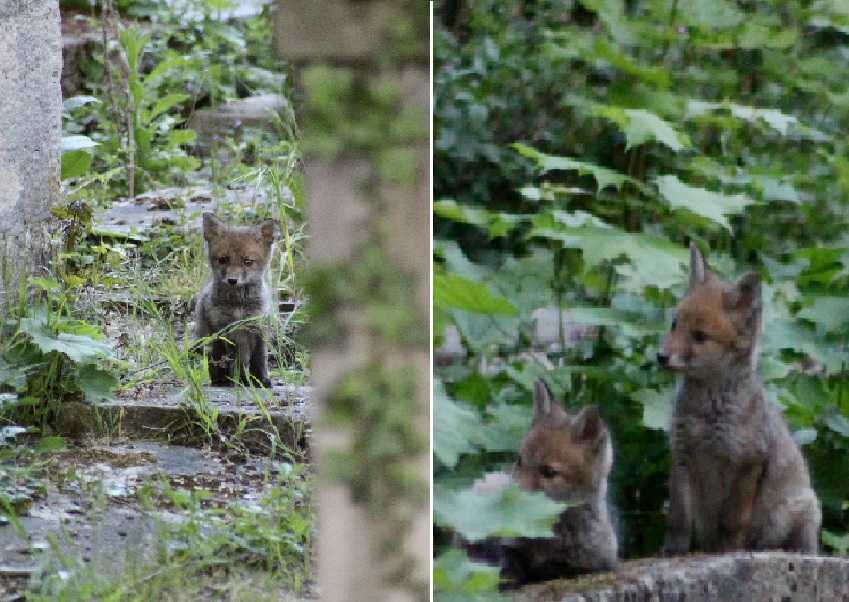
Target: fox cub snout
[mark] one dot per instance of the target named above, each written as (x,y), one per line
(568,457)
(737,480)
(239,257)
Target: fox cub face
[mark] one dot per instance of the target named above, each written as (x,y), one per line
(567,457)
(717,323)
(238,255)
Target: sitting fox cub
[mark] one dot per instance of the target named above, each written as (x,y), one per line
(239,257)
(738,480)
(568,457)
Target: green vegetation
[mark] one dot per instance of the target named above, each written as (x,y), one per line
(109,319)
(578,146)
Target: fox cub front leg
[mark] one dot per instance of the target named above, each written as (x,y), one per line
(258,364)
(680,520)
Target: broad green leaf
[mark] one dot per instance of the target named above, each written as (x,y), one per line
(455,427)
(509,512)
(604,176)
(72,143)
(657,407)
(837,422)
(780,122)
(75,102)
(451,291)
(710,205)
(827,312)
(75,164)
(166,103)
(641,126)
(653,261)
(458,579)
(838,543)
(95,383)
(78,348)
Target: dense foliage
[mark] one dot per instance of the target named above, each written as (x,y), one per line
(578,147)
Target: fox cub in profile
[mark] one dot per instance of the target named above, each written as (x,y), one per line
(737,480)
(239,257)
(567,457)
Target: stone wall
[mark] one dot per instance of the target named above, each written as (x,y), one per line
(744,577)
(30,134)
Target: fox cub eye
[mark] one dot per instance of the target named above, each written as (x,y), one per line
(248,261)
(547,472)
(223,260)
(674,323)
(699,336)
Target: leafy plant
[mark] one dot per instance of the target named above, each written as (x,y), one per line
(578,146)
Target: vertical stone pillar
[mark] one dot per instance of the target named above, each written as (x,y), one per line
(366,199)
(30,135)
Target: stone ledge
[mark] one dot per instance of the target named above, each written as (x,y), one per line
(748,577)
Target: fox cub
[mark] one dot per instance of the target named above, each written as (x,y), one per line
(239,257)
(567,457)
(738,480)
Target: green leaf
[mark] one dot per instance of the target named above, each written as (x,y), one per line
(657,407)
(641,126)
(455,427)
(72,143)
(75,164)
(710,205)
(653,261)
(164,104)
(780,122)
(831,314)
(838,543)
(181,137)
(510,512)
(79,348)
(451,291)
(604,176)
(631,325)
(456,579)
(75,102)
(95,383)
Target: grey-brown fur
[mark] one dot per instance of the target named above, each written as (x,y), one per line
(239,257)
(737,480)
(578,449)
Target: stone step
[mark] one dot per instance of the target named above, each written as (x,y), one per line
(166,414)
(94,515)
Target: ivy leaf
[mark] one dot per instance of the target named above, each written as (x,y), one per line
(509,512)
(604,176)
(451,291)
(710,205)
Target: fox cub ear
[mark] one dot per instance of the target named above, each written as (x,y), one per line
(698,267)
(212,226)
(588,425)
(545,405)
(268,231)
(745,296)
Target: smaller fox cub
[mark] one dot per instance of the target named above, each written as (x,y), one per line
(239,257)
(737,480)
(567,457)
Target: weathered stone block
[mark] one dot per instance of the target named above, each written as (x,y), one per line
(30,133)
(749,577)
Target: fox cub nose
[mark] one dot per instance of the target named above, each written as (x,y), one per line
(662,358)
(232,281)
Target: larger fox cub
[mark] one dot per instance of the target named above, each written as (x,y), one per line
(568,457)
(738,480)
(239,257)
